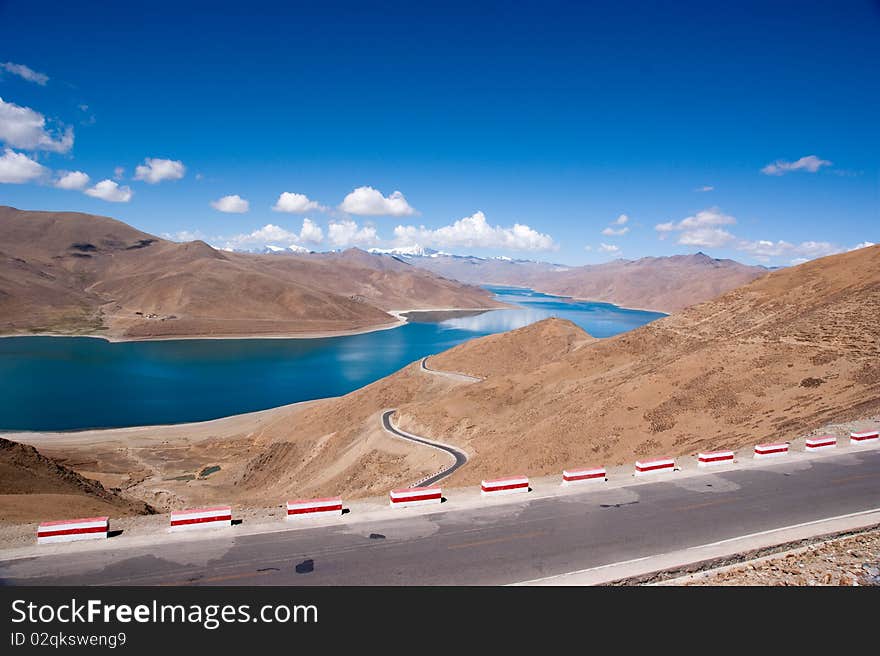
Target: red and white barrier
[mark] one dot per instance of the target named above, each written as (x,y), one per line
(658,466)
(708,459)
(868,437)
(415,496)
(314,507)
(504,486)
(771,450)
(183,520)
(574,476)
(820,443)
(68,530)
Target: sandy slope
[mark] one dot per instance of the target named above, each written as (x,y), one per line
(65,272)
(33,485)
(666,284)
(779,357)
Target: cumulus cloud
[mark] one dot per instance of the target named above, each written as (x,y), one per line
(275,237)
(367,201)
(26,73)
(700,229)
(233,204)
(118,173)
(611,231)
(22,127)
(609,248)
(295,203)
(703,229)
(110,191)
(311,232)
(809,163)
(184,235)
(475,232)
(18,168)
(155,170)
(864,244)
(72,180)
(346,233)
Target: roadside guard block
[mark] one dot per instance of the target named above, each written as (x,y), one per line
(658,466)
(314,508)
(68,530)
(714,458)
(508,485)
(771,450)
(583,475)
(195,518)
(820,443)
(868,437)
(415,496)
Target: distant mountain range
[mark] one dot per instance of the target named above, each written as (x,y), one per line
(667,284)
(72,273)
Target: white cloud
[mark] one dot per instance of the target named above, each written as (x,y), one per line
(275,237)
(269,234)
(118,173)
(72,180)
(22,127)
(234,204)
(705,188)
(767,248)
(609,248)
(700,229)
(311,232)
(25,72)
(370,202)
(184,235)
(864,244)
(706,237)
(110,191)
(475,232)
(346,233)
(809,163)
(154,170)
(295,203)
(18,168)
(621,220)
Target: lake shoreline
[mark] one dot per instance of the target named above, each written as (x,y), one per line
(185,384)
(324,334)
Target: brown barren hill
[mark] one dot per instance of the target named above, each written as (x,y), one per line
(665,284)
(780,356)
(72,273)
(777,358)
(36,488)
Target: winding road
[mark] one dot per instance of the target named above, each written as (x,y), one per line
(459,456)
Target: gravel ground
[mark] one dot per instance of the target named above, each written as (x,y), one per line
(850,561)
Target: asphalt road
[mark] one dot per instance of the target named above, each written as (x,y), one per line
(493,543)
(460,457)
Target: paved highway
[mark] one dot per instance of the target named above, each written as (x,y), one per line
(493,542)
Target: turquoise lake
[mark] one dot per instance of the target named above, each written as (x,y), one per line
(70,383)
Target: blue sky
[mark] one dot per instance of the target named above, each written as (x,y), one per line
(517,129)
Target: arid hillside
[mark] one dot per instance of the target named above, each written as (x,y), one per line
(81,274)
(791,351)
(777,358)
(32,485)
(665,284)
